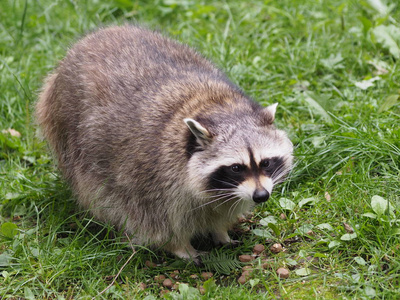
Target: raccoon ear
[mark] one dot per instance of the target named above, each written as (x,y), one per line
(269,114)
(202,135)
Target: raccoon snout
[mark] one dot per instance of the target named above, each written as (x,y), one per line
(260,195)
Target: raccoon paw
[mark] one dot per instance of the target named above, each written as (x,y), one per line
(231,244)
(234,244)
(222,238)
(198,261)
(188,253)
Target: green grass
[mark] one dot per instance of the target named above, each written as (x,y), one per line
(310,56)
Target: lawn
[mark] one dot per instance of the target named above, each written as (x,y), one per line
(333,67)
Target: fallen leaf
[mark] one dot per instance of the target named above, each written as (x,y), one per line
(389,37)
(12,132)
(325,226)
(380,66)
(379,6)
(303,271)
(333,61)
(390,101)
(315,103)
(348,236)
(327,197)
(287,204)
(308,201)
(379,205)
(348,228)
(333,244)
(360,260)
(365,84)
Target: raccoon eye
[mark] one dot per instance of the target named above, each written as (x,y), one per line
(236,168)
(265,163)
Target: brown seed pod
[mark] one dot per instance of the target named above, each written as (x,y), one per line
(245,258)
(283,273)
(258,248)
(202,290)
(168,283)
(142,286)
(242,279)
(206,275)
(247,268)
(267,263)
(159,278)
(174,274)
(276,248)
(163,292)
(150,264)
(247,273)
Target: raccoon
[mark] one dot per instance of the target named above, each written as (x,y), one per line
(156,140)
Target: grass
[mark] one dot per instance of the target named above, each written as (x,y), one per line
(316,58)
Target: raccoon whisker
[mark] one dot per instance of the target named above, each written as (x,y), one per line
(225,201)
(240,194)
(233,207)
(236,195)
(279,172)
(214,200)
(217,198)
(219,195)
(280,175)
(217,190)
(279,181)
(228,183)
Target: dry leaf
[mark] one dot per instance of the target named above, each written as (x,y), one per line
(348,228)
(12,132)
(327,197)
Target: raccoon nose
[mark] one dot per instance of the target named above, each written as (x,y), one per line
(260,196)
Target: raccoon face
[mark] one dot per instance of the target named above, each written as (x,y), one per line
(253,181)
(243,161)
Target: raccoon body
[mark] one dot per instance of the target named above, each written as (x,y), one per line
(156,140)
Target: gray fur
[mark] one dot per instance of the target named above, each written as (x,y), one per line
(113,113)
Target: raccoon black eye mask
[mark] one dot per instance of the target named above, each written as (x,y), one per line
(156,140)
(231,176)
